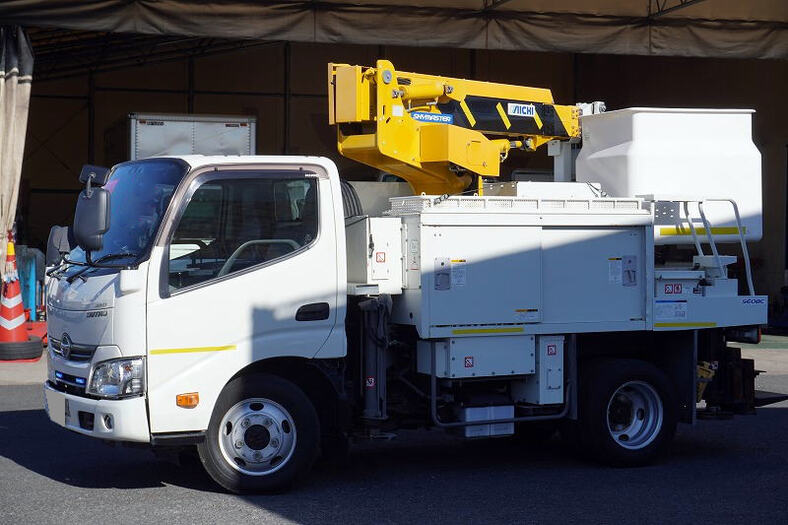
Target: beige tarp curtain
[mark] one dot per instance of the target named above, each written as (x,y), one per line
(16,75)
(719,28)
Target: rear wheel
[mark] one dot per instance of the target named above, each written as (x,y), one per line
(627,411)
(264,434)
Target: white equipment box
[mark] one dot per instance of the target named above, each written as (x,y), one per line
(374,253)
(481,266)
(473,357)
(546,387)
(675,155)
(157,134)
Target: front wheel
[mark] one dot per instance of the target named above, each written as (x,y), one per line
(628,411)
(264,434)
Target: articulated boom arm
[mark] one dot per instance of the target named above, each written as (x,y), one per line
(438,132)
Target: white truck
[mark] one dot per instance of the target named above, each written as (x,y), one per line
(255,307)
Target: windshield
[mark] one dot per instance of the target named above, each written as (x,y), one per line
(140,192)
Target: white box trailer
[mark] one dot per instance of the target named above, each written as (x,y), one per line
(162,134)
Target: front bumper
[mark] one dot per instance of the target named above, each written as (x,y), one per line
(110,419)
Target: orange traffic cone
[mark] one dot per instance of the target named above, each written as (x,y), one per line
(12,311)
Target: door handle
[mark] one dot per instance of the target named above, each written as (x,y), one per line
(313,312)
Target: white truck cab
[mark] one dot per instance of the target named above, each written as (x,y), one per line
(122,337)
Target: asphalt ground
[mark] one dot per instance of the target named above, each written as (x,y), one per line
(717,472)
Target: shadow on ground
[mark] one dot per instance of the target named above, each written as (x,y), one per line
(722,470)
(28,438)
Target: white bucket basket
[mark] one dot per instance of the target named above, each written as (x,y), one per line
(672,156)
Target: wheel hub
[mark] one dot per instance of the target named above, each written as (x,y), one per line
(634,415)
(257,436)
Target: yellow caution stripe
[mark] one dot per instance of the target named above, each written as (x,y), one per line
(504,116)
(198,349)
(682,230)
(537,120)
(685,325)
(468,114)
(507,330)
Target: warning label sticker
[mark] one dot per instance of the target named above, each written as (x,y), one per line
(670,310)
(459,272)
(413,254)
(673,289)
(614,270)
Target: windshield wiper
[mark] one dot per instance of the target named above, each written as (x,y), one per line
(111,256)
(57,271)
(97,264)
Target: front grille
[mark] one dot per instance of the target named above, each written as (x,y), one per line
(77,352)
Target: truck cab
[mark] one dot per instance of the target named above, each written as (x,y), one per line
(216,263)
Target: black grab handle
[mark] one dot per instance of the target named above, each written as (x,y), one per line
(313,312)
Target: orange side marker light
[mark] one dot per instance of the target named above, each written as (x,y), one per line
(190,400)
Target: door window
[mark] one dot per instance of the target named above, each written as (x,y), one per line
(230,225)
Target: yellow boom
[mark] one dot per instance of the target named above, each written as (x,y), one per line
(438,133)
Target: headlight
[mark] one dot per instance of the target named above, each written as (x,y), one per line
(118,378)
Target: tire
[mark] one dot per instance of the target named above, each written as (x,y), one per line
(628,412)
(263,436)
(30,349)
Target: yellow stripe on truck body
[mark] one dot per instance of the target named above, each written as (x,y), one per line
(199,349)
(716,230)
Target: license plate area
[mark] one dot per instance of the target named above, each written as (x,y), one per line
(56,407)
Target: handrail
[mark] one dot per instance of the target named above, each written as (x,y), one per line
(710,237)
(742,240)
(692,229)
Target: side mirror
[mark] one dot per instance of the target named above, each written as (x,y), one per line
(91,220)
(97,175)
(60,242)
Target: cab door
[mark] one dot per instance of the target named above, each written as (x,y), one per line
(246,269)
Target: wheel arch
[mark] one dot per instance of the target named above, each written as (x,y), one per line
(320,380)
(673,352)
